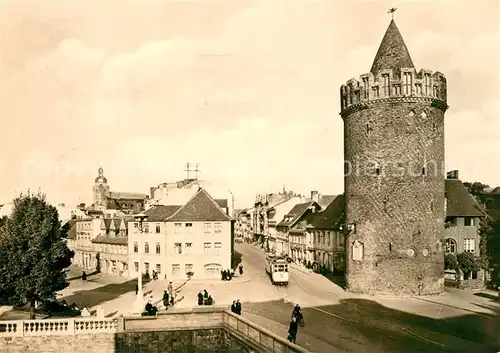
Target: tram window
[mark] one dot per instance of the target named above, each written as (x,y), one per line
(281,268)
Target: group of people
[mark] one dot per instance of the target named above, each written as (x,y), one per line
(236,307)
(296,320)
(227,275)
(204,298)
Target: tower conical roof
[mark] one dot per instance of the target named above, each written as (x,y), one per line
(392,53)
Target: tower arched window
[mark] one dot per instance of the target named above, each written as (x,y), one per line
(450,246)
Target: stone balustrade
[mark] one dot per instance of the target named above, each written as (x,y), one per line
(57,327)
(216,317)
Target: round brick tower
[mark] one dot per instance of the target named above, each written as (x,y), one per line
(394,174)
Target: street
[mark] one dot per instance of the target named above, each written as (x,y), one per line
(339,322)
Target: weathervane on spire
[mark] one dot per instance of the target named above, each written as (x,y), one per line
(391,11)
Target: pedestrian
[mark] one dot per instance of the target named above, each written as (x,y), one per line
(241,269)
(200,298)
(233,307)
(170,288)
(136,289)
(210,300)
(292,330)
(238,307)
(223,273)
(165,299)
(84,276)
(229,275)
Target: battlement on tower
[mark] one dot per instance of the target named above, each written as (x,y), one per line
(407,84)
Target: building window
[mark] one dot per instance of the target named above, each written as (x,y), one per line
(469,245)
(407,82)
(189,227)
(178,248)
(158,228)
(188,268)
(177,227)
(207,248)
(189,246)
(435,91)
(450,246)
(136,247)
(469,221)
(376,92)
(218,227)
(158,268)
(217,247)
(146,267)
(385,84)
(418,88)
(207,227)
(397,90)
(158,248)
(146,227)
(136,266)
(176,268)
(146,248)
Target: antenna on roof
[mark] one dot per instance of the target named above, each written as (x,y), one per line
(188,169)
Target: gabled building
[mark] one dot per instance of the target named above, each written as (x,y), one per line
(294,225)
(277,242)
(326,238)
(195,238)
(85,255)
(463,217)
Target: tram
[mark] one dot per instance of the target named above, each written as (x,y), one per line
(277,269)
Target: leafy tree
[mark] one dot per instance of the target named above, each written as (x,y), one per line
(33,252)
(490,242)
(450,262)
(475,188)
(468,263)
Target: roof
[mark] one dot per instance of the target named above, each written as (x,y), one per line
(459,202)
(331,216)
(201,207)
(161,213)
(221,202)
(72,229)
(127,196)
(295,213)
(392,53)
(325,200)
(104,239)
(496,190)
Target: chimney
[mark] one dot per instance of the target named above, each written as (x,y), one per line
(314,196)
(452,174)
(152,191)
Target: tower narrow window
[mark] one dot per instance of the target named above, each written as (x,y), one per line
(424,171)
(385,86)
(390,247)
(368,128)
(434,127)
(366,87)
(427,82)
(407,82)
(377,170)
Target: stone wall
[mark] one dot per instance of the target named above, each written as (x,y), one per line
(180,341)
(101,342)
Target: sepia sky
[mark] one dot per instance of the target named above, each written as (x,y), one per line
(247,88)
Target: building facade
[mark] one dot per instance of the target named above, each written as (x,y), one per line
(394,184)
(111,247)
(195,238)
(85,255)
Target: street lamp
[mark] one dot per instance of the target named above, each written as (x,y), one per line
(139,302)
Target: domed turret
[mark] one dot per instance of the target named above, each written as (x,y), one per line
(101,178)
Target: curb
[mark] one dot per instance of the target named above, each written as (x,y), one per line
(457,308)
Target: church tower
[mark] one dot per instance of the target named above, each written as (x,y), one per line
(394,174)
(101,189)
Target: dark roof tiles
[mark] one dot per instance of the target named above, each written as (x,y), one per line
(392,53)
(459,202)
(331,216)
(161,213)
(295,213)
(201,207)
(104,239)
